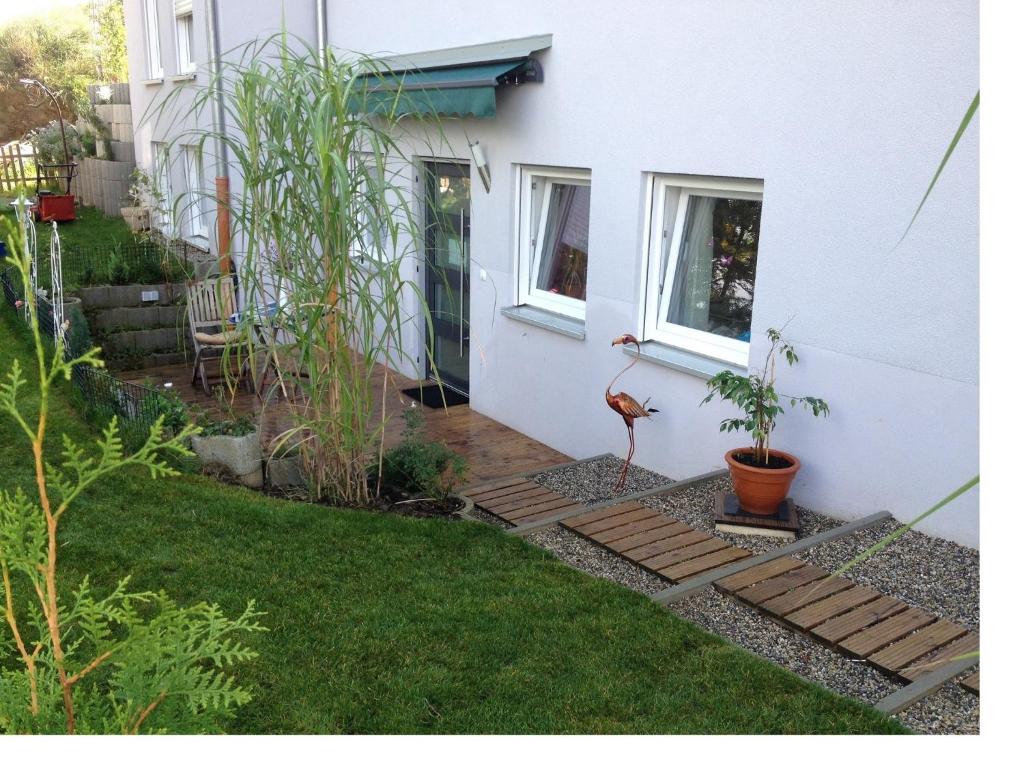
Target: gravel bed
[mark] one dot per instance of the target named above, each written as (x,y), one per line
(933,574)
(586,556)
(592,481)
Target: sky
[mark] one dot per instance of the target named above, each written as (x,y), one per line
(11,10)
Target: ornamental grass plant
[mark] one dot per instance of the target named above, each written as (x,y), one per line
(325,233)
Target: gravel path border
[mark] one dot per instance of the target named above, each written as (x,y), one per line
(933,574)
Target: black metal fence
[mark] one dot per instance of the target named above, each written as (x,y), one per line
(144,262)
(101,396)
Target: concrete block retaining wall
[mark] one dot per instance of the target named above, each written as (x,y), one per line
(132,331)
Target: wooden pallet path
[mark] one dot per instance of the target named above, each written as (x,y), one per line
(903,642)
(900,640)
(654,541)
(518,500)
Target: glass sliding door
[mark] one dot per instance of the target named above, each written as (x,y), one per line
(447,268)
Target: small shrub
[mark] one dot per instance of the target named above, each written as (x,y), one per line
(421,467)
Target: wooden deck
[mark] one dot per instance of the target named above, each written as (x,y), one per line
(491,449)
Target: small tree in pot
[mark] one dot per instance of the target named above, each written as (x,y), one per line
(761,475)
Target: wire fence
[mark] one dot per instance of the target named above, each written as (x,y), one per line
(145,263)
(101,396)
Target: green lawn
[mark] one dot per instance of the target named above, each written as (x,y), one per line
(91,228)
(382,624)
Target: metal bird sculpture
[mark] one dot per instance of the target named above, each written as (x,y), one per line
(627,407)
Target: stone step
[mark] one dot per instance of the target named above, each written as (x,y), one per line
(107,296)
(150,340)
(139,318)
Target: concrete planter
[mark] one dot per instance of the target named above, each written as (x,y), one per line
(136,217)
(241,456)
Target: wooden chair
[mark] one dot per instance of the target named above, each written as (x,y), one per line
(210,303)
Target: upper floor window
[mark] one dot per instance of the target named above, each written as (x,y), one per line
(183,32)
(554,235)
(701,264)
(152,25)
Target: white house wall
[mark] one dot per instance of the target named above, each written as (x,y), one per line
(844,109)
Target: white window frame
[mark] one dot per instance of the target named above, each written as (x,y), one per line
(661,254)
(151,24)
(161,175)
(535,191)
(196,187)
(373,254)
(185,53)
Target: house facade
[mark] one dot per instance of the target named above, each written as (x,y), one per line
(693,174)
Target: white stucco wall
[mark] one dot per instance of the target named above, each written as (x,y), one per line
(844,109)
(161,110)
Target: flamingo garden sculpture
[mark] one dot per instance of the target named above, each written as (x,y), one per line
(627,407)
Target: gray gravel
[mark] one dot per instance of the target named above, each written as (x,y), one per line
(936,575)
(592,481)
(588,557)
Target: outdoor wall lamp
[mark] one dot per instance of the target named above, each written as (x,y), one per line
(481,165)
(28,81)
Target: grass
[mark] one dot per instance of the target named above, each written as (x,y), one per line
(382,624)
(90,229)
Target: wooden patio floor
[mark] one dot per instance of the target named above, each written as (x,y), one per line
(491,449)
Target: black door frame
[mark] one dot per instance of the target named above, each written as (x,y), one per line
(454,328)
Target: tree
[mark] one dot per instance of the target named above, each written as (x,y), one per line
(67,51)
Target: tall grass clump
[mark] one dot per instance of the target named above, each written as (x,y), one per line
(325,223)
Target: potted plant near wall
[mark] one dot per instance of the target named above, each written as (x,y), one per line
(761,475)
(134,210)
(230,446)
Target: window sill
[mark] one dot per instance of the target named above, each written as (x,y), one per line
(549,321)
(202,242)
(701,366)
(153,81)
(183,77)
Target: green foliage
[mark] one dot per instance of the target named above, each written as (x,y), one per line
(49,144)
(63,49)
(755,395)
(123,662)
(421,467)
(235,426)
(322,183)
(170,407)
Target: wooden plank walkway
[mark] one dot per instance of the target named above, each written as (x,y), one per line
(902,641)
(895,638)
(654,541)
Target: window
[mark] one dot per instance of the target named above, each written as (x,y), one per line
(554,231)
(183,33)
(701,264)
(371,237)
(151,20)
(195,213)
(161,188)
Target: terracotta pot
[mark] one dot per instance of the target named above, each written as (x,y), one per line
(760,490)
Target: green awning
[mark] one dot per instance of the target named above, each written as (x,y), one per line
(445,91)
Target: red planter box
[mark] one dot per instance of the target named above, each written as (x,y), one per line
(56,208)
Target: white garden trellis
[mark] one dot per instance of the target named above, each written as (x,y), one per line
(28,228)
(57,290)
(31,246)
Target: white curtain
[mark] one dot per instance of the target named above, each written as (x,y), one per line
(690,303)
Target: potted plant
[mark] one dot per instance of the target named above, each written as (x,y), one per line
(761,475)
(136,212)
(230,445)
